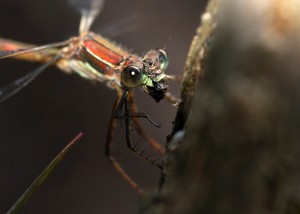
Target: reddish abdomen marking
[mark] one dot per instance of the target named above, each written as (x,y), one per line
(102,52)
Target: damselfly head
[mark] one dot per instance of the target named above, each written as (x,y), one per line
(155,62)
(147,72)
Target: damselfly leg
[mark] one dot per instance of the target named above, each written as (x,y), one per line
(125,102)
(128,119)
(138,126)
(109,146)
(127,115)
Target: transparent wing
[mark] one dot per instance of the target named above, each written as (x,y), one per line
(20,83)
(16,52)
(128,24)
(89,10)
(41,56)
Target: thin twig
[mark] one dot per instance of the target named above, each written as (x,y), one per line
(43,176)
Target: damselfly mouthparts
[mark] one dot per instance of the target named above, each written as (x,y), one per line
(96,58)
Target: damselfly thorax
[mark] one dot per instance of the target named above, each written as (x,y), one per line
(94,57)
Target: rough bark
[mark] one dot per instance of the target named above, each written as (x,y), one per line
(235,145)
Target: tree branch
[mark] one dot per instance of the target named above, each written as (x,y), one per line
(235,144)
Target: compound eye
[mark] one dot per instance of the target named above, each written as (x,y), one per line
(131,76)
(163,59)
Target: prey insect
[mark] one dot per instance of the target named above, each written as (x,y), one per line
(96,58)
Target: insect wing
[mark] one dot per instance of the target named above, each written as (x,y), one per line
(12,88)
(89,10)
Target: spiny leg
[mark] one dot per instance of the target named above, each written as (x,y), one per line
(118,113)
(109,146)
(129,140)
(139,128)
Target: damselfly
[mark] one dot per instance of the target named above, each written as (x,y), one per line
(96,58)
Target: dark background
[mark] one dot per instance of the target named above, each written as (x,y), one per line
(40,120)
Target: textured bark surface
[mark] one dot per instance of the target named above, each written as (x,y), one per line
(235,146)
